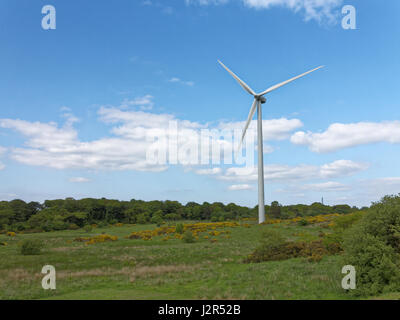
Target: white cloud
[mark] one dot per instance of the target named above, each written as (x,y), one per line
(206,2)
(339,136)
(211,171)
(8,196)
(51,146)
(65,109)
(2,151)
(144,103)
(70,119)
(59,146)
(274,129)
(177,80)
(164,9)
(330,186)
(278,172)
(238,187)
(79,179)
(366,190)
(341,168)
(380,186)
(42,135)
(389,181)
(319,10)
(304,190)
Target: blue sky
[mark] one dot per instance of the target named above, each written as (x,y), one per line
(73,99)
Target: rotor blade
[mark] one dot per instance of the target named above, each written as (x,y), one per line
(249,118)
(287,81)
(242,83)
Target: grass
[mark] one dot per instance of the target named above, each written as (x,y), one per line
(156,269)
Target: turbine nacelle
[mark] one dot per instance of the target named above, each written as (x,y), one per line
(261,99)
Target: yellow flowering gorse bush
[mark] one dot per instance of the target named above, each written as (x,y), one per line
(196,228)
(97,239)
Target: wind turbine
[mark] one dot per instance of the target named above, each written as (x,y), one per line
(259,99)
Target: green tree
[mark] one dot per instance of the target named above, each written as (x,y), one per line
(275,210)
(372,246)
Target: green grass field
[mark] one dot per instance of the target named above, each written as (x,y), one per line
(157,269)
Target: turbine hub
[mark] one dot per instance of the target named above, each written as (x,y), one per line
(262,99)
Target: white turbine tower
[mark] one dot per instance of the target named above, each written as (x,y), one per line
(259,99)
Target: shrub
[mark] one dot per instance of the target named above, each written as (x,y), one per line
(88,228)
(340,225)
(372,246)
(271,242)
(73,226)
(303,222)
(31,247)
(274,248)
(19,226)
(97,239)
(344,222)
(157,220)
(188,237)
(142,218)
(179,228)
(103,224)
(315,257)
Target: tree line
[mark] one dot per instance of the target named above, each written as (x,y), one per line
(61,214)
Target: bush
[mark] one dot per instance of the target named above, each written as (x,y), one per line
(157,220)
(274,248)
(88,228)
(303,222)
(179,228)
(271,242)
(344,222)
(31,247)
(102,224)
(188,237)
(73,226)
(340,225)
(372,246)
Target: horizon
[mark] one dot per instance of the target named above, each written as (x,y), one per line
(199,203)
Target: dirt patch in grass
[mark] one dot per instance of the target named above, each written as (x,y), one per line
(93,273)
(65,249)
(17,275)
(320,277)
(124,257)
